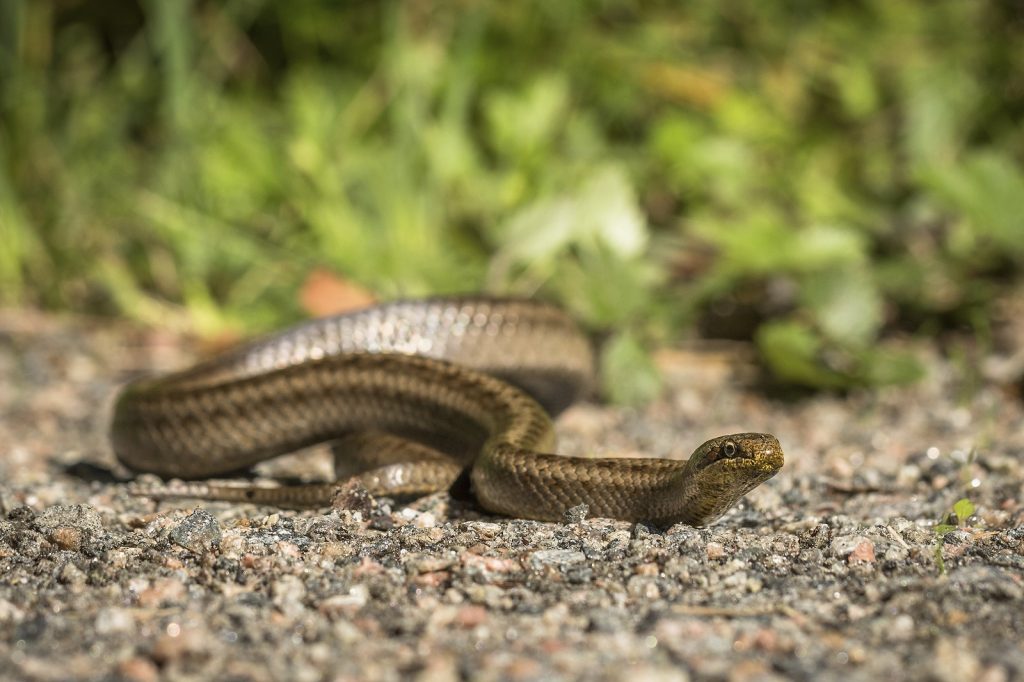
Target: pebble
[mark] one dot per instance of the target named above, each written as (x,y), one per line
(287,594)
(198,532)
(801,581)
(345,604)
(852,547)
(576,514)
(863,552)
(558,558)
(114,620)
(69,526)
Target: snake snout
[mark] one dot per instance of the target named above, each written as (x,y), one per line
(761,449)
(769,450)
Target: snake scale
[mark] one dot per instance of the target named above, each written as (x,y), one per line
(413,393)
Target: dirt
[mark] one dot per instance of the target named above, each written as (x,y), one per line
(835,569)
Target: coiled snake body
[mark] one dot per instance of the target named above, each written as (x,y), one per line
(415,392)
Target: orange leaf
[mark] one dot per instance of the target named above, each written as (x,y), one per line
(325,293)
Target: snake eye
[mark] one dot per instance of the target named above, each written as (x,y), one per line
(729,449)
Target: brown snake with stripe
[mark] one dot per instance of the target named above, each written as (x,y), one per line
(415,392)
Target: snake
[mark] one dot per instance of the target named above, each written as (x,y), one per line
(416,395)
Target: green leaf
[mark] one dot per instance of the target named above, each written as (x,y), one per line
(629,374)
(17,237)
(792,352)
(600,216)
(846,304)
(700,163)
(856,86)
(797,354)
(608,213)
(987,189)
(606,291)
(887,367)
(766,242)
(827,246)
(964,509)
(522,124)
(539,231)
(601,212)
(939,103)
(747,116)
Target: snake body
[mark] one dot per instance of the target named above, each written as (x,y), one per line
(418,391)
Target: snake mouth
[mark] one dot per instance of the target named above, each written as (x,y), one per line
(743,471)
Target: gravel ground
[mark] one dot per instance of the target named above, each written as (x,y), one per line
(832,570)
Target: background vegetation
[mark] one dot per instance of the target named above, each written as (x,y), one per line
(825,178)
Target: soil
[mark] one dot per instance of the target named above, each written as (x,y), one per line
(835,569)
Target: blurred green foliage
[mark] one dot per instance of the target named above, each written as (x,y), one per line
(821,177)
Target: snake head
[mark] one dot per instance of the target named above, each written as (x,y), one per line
(724,469)
(759,451)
